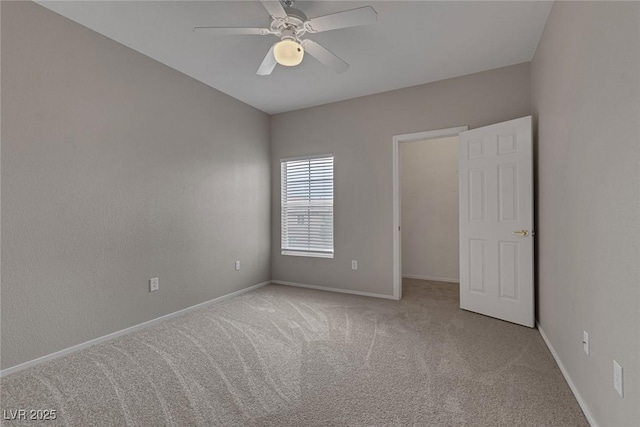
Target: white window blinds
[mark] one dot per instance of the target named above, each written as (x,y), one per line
(307,206)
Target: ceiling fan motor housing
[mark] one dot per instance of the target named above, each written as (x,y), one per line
(296,17)
(294,21)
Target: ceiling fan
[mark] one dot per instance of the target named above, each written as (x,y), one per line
(290,24)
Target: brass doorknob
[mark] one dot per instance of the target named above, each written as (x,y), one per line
(523,233)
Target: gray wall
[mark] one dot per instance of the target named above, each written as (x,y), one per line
(359,132)
(429,207)
(586,96)
(116,169)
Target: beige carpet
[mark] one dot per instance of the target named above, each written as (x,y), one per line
(283,356)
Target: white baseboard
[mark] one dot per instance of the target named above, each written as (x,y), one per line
(116,334)
(572,386)
(324,288)
(432,278)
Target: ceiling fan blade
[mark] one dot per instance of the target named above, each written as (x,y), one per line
(348,18)
(274,8)
(228,31)
(268,63)
(324,56)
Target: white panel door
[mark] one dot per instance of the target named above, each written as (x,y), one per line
(496,221)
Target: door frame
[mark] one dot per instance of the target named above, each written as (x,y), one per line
(397,218)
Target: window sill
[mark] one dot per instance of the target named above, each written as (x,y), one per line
(307,254)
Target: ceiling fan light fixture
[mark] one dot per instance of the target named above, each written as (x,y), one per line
(288,52)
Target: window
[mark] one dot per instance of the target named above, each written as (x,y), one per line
(307,206)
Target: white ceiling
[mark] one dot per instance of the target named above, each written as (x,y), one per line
(413,42)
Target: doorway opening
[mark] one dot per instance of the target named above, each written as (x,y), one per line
(431,215)
(429,210)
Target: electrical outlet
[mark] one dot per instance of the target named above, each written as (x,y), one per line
(154,284)
(237,265)
(585,341)
(617,378)
(354,264)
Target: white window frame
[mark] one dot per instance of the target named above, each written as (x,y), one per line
(298,252)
